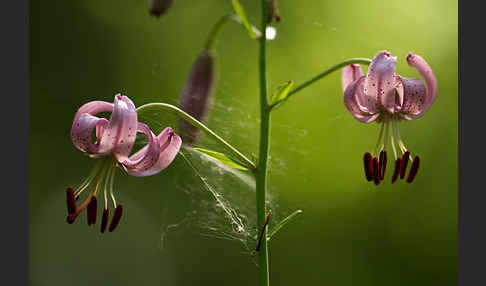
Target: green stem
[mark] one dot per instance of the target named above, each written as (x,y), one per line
(261,174)
(213,35)
(325,73)
(164,106)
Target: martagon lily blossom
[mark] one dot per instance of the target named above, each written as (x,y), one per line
(113,147)
(387,98)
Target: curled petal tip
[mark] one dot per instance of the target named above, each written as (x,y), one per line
(350,74)
(422,67)
(169,145)
(410,57)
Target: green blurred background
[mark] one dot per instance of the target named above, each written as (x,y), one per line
(351,232)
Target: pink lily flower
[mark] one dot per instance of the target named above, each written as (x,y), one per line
(113,145)
(387,98)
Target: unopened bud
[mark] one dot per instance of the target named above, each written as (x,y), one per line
(196,95)
(159,7)
(273,13)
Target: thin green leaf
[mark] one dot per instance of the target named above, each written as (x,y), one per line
(241,13)
(283,223)
(237,19)
(225,159)
(281,93)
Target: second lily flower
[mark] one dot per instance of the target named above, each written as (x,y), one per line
(387,98)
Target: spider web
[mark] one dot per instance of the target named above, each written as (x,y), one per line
(221,199)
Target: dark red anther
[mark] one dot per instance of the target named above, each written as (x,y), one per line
(414,169)
(116,218)
(398,163)
(404,163)
(70,201)
(91,212)
(71,218)
(104,219)
(383,161)
(368,166)
(376,171)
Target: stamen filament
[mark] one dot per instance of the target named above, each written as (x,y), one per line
(379,138)
(99,181)
(401,144)
(89,179)
(385,140)
(393,140)
(112,177)
(108,178)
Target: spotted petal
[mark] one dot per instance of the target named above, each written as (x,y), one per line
(350,74)
(119,135)
(82,130)
(424,69)
(93,108)
(169,143)
(413,92)
(352,97)
(380,81)
(146,157)
(84,123)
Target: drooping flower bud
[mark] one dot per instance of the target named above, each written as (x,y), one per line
(196,95)
(159,7)
(273,13)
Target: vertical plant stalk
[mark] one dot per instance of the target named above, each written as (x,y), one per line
(261,171)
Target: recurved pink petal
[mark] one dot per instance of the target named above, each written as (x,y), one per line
(353,92)
(93,108)
(169,143)
(82,131)
(380,81)
(146,157)
(413,92)
(119,135)
(350,74)
(424,69)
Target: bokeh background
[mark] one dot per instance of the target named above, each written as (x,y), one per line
(351,232)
